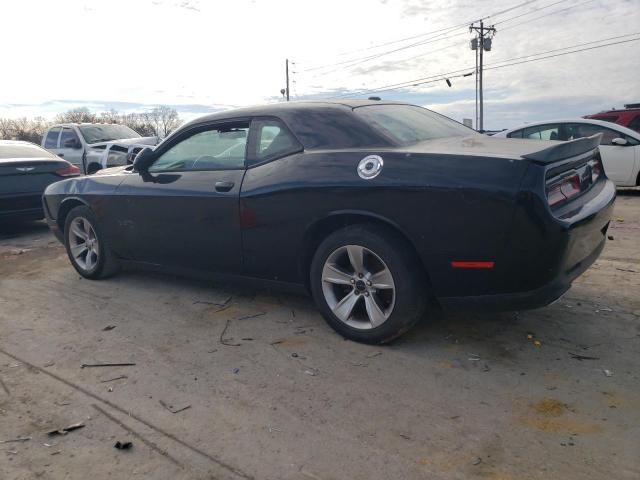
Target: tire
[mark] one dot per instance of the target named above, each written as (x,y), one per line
(98,261)
(390,278)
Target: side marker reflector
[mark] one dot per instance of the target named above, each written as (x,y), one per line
(472,264)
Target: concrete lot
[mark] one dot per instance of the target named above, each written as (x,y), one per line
(462,396)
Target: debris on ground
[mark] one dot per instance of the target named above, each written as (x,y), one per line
(236,370)
(582,357)
(607,373)
(620,219)
(173,409)
(16,440)
(49,364)
(609,237)
(123,445)
(108,327)
(12,452)
(90,365)
(310,372)
(374,354)
(65,430)
(474,357)
(226,342)
(217,304)
(121,377)
(630,270)
(477,461)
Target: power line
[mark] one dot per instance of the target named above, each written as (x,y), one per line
(493,66)
(535,10)
(432,36)
(546,15)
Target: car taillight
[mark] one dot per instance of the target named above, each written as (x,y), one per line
(68,171)
(563,189)
(596,169)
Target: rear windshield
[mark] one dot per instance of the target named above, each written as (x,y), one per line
(105,133)
(408,124)
(23,151)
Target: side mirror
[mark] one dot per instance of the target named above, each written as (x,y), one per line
(619,141)
(143,160)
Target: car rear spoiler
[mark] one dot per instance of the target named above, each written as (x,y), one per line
(563,150)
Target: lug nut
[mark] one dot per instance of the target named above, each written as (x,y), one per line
(356,292)
(366,294)
(360,275)
(369,283)
(353,281)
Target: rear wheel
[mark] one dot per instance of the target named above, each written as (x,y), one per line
(86,246)
(367,284)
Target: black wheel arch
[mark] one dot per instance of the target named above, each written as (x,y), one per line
(66,206)
(317,231)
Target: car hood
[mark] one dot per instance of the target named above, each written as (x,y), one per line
(128,141)
(482,145)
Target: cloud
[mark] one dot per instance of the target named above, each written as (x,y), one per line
(233,53)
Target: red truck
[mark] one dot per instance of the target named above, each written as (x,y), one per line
(628,117)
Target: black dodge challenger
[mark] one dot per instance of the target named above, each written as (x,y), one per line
(376,208)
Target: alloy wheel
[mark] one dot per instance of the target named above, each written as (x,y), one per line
(358,287)
(83,243)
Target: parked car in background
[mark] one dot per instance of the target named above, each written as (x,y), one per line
(25,171)
(375,208)
(94,146)
(628,117)
(619,146)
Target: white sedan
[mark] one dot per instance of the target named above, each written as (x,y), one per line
(619,147)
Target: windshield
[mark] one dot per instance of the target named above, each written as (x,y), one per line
(105,133)
(408,124)
(23,151)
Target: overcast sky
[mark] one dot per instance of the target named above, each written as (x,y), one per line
(201,56)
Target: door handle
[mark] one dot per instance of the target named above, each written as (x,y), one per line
(61,155)
(224,186)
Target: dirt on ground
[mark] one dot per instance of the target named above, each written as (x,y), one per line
(228,383)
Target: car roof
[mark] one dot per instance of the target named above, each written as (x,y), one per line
(17,142)
(589,121)
(276,108)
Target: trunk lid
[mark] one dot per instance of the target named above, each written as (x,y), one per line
(27,175)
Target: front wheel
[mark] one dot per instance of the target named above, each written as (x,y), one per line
(367,284)
(86,246)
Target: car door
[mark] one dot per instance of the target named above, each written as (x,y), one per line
(184,211)
(618,160)
(51,140)
(70,147)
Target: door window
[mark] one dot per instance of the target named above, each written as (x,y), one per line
(273,140)
(580,130)
(222,148)
(635,123)
(543,132)
(52,138)
(516,134)
(68,138)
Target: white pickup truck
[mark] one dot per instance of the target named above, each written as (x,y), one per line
(94,146)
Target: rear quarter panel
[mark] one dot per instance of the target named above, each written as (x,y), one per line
(450,207)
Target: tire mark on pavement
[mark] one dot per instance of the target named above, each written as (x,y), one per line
(237,472)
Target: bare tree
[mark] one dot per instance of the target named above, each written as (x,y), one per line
(163,120)
(77,115)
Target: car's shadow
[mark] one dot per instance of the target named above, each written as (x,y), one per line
(19,229)
(628,192)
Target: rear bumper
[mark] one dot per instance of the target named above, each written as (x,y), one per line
(579,239)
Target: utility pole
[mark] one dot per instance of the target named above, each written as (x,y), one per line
(480,44)
(287,74)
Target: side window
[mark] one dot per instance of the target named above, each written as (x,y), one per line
(221,148)
(543,132)
(580,130)
(272,140)
(68,138)
(52,138)
(516,134)
(634,124)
